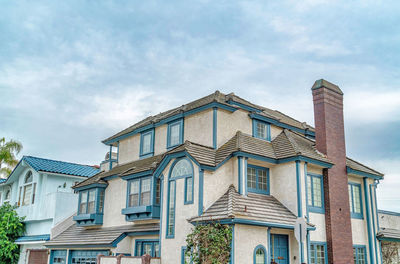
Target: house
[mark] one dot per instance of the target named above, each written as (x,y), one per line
(222,158)
(389,235)
(41,190)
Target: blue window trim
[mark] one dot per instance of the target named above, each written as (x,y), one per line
(356,215)
(315,243)
(151,152)
(143,241)
(255,122)
(311,207)
(170,125)
(265,253)
(172,235)
(186,189)
(140,191)
(257,168)
(94,218)
(183,253)
(365,252)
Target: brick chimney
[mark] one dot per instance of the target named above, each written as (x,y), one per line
(329,136)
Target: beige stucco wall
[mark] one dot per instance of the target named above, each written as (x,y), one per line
(217,183)
(129,149)
(320,232)
(247,238)
(389,221)
(229,123)
(199,128)
(124,246)
(284,186)
(275,131)
(160,139)
(171,248)
(114,202)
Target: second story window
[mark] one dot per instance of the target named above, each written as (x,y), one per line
(139,192)
(28,196)
(261,130)
(89,200)
(258,179)
(355,200)
(147,143)
(7,197)
(315,193)
(175,134)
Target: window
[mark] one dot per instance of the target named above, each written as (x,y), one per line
(258,179)
(139,192)
(147,144)
(158,191)
(189,190)
(8,196)
(261,130)
(260,255)
(182,168)
(171,210)
(318,253)
(28,194)
(355,200)
(150,247)
(88,200)
(175,134)
(85,256)
(359,255)
(315,193)
(184,258)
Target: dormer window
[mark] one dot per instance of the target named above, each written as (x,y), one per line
(258,179)
(175,133)
(29,189)
(261,130)
(147,144)
(91,206)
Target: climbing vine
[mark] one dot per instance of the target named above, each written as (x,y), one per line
(209,244)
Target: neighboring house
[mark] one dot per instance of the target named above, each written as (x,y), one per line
(41,190)
(222,158)
(389,236)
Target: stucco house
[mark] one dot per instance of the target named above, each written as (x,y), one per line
(222,158)
(41,190)
(389,235)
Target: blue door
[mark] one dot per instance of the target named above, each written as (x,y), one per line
(280,249)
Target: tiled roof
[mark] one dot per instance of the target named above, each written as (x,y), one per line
(76,235)
(2,180)
(355,165)
(258,207)
(389,233)
(203,154)
(123,169)
(61,167)
(214,97)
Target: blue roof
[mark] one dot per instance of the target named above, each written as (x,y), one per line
(61,167)
(2,180)
(33,238)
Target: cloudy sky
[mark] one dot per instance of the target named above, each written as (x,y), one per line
(75,72)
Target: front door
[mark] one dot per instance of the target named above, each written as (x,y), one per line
(38,256)
(279,249)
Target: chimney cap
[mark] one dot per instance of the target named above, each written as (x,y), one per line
(324,83)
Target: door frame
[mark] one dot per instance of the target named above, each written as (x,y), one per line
(288,246)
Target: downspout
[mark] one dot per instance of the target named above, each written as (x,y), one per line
(299,206)
(307,211)
(368,220)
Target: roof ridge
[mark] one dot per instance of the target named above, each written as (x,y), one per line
(231,200)
(28,156)
(292,141)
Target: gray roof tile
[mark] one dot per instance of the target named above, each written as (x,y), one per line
(355,165)
(389,233)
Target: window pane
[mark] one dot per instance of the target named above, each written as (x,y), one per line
(189,190)
(171,209)
(174,134)
(27,194)
(260,256)
(146,145)
(101,201)
(251,177)
(82,209)
(157,250)
(91,203)
(356,199)
(262,179)
(350,199)
(309,194)
(261,130)
(134,194)
(317,191)
(182,168)
(147,248)
(139,249)
(145,192)
(312,254)
(158,191)
(320,254)
(34,193)
(355,255)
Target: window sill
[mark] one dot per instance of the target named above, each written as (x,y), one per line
(141,212)
(318,210)
(147,155)
(88,219)
(356,216)
(250,190)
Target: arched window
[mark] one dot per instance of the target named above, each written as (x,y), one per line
(260,255)
(29,189)
(181,168)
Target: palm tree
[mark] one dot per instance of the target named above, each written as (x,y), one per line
(8,150)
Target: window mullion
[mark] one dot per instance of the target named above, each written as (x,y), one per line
(87,201)
(352,201)
(140,192)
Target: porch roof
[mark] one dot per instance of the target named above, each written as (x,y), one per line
(97,237)
(389,234)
